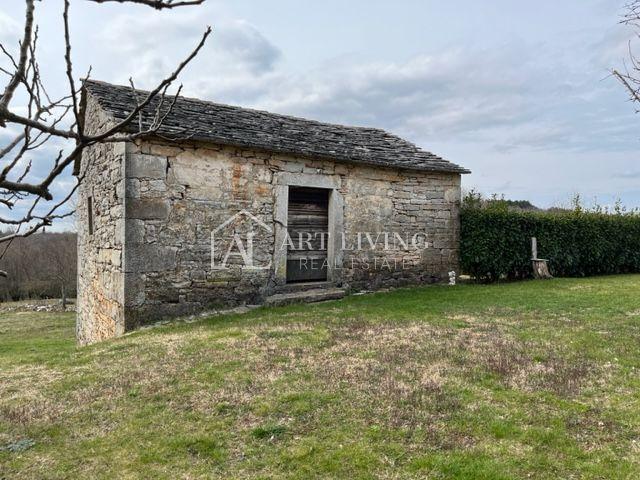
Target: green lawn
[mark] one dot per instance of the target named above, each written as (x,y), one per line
(521,380)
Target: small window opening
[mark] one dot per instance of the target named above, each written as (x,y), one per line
(90,214)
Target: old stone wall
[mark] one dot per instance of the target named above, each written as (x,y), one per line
(413,208)
(176,196)
(100,225)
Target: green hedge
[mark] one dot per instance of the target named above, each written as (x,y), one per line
(496,243)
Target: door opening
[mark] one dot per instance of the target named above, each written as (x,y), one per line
(308,227)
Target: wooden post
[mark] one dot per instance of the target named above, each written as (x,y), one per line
(534,248)
(540,267)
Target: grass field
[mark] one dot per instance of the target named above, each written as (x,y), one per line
(521,380)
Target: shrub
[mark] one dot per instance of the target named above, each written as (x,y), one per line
(496,242)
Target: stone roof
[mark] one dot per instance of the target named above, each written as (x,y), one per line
(242,127)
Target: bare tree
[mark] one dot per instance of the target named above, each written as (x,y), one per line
(630,76)
(62,263)
(27,203)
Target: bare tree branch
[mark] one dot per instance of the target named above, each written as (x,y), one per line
(626,80)
(22,63)
(630,77)
(43,119)
(157,4)
(7,149)
(69,66)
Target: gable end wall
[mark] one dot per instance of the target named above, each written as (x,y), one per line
(100,303)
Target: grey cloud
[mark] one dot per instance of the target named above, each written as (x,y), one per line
(449,92)
(235,49)
(131,34)
(242,42)
(464,94)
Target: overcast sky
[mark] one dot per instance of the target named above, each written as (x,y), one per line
(518,92)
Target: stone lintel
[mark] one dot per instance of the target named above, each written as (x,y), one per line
(308,180)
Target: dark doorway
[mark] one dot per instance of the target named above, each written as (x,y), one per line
(308,226)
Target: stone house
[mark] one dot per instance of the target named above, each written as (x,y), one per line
(229,206)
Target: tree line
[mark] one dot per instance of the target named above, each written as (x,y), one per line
(43,265)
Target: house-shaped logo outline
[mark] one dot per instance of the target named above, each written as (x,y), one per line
(229,221)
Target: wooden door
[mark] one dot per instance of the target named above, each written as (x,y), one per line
(308,225)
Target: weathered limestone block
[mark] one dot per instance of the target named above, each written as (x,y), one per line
(147,166)
(165,150)
(199,173)
(134,294)
(294,167)
(452,194)
(434,195)
(109,256)
(154,186)
(132,188)
(147,208)
(142,258)
(134,231)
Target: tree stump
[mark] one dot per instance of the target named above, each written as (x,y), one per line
(540,269)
